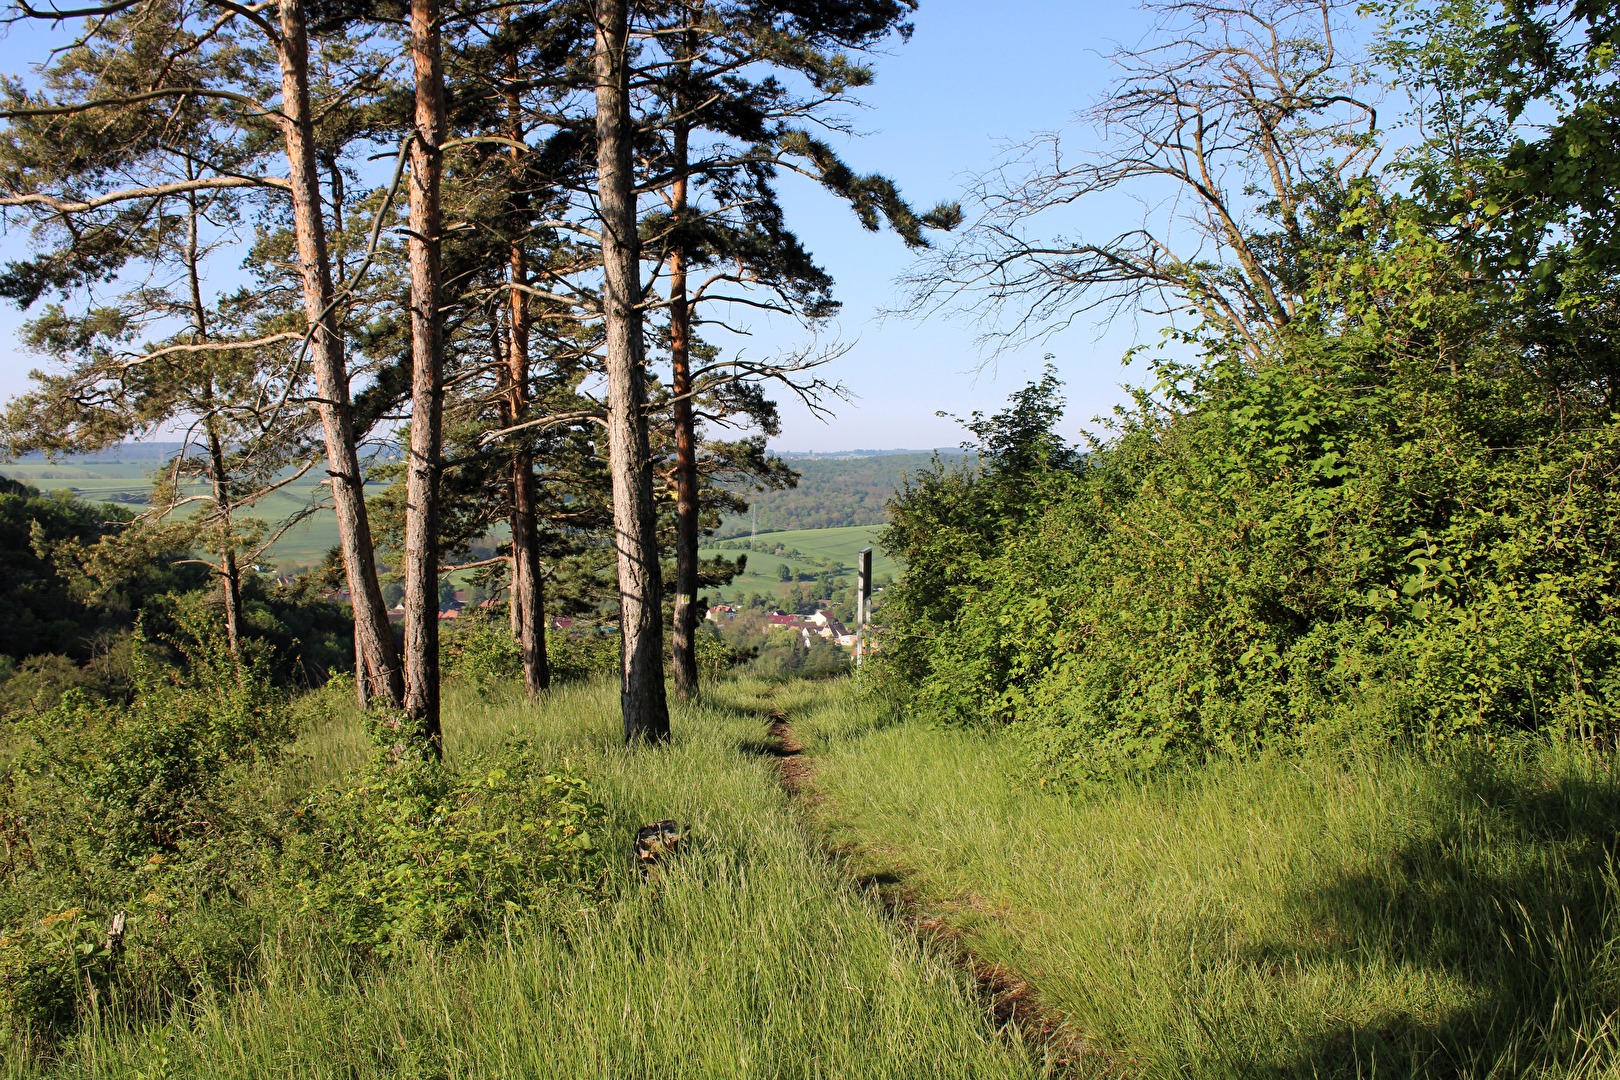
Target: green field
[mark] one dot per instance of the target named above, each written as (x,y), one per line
(813,545)
(127,483)
(1330,914)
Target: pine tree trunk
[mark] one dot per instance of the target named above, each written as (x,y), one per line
(230,576)
(684,629)
(526,578)
(641,690)
(528,605)
(427,383)
(362,679)
(376,640)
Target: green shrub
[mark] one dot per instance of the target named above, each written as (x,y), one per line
(1261,550)
(184,812)
(715,656)
(418,850)
(161,810)
(481,650)
(586,655)
(46,967)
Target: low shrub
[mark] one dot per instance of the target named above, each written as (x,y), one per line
(586,655)
(481,651)
(417,850)
(180,818)
(157,816)
(715,655)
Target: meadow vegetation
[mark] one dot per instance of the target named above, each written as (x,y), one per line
(412,921)
(1365,911)
(1268,729)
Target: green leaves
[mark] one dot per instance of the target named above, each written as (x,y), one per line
(1393,514)
(419,850)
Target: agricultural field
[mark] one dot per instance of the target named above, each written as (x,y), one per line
(805,552)
(127,483)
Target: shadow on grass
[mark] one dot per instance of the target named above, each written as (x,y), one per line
(763,746)
(1507,890)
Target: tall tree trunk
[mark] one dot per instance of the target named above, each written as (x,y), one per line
(230,578)
(427,383)
(526,574)
(635,536)
(362,678)
(230,575)
(375,639)
(528,605)
(684,629)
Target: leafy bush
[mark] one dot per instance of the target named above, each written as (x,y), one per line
(116,784)
(183,812)
(482,651)
(45,966)
(794,659)
(583,656)
(161,810)
(418,850)
(1260,551)
(715,655)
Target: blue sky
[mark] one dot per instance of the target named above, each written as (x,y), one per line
(976,77)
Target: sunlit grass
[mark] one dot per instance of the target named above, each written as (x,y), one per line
(1307,916)
(746,956)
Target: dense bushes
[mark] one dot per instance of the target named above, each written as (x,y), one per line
(416,850)
(1349,538)
(148,849)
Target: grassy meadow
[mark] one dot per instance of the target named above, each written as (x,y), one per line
(747,955)
(1328,914)
(1334,912)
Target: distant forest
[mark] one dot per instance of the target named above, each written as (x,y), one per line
(833,492)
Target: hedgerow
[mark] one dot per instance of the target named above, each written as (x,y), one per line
(1352,538)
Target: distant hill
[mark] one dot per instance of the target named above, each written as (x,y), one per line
(835,491)
(123,453)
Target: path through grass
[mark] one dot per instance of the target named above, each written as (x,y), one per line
(748,957)
(1286,918)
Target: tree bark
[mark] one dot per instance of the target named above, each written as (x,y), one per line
(684,629)
(528,604)
(229,575)
(362,680)
(641,690)
(372,633)
(526,574)
(427,383)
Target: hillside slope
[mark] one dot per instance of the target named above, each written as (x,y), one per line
(835,491)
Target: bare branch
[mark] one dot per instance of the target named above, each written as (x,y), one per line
(155,191)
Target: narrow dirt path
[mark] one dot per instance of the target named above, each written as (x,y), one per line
(788,751)
(1008,998)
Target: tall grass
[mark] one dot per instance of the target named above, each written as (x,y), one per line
(745,956)
(1371,915)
